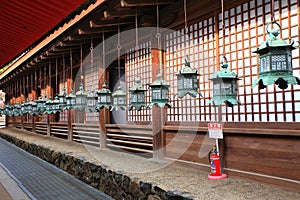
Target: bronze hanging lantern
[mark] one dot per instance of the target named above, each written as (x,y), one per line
(224,87)
(17,109)
(137,95)
(187,81)
(159,93)
(56,106)
(81,99)
(104,98)
(275,60)
(91,101)
(48,105)
(34,108)
(70,100)
(41,104)
(119,100)
(62,98)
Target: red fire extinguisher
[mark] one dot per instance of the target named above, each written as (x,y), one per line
(215,167)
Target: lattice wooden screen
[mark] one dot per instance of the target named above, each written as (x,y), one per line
(139,64)
(244,32)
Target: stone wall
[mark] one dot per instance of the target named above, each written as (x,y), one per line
(115,184)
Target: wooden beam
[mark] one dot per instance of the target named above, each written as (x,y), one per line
(129,3)
(107,23)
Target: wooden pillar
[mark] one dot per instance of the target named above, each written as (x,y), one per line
(104,114)
(158,114)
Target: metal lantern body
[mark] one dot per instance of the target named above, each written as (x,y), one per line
(71,101)
(91,101)
(56,106)
(224,87)
(137,96)
(34,108)
(187,81)
(62,98)
(26,107)
(23,108)
(119,100)
(29,107)
(9,110)
(81,99)
(41,105)
(103,98)
(159,93)
(48,105)
(17,110)
(275,60)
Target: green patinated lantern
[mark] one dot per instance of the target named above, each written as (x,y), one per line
(118,100)
(56,106)
(187,81)
(137,96)
(41,104)
(34,108)
(48,106)
(104,98)
(17,109)
(29,107)
(25,110)
(224,87)
(62,98)
(275,60)
(91,101)
(71,101)
(81,99)
(9,110)
(159,93)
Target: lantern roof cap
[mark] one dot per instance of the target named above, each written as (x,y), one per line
(71,95)
(104,89)
(159,82)
(272,41)
(187,69)
(56,99)
(224,73)
(138,86)
(91,94)
(81,90)
(119,92)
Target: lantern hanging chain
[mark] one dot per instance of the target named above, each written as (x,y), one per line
(71,65)
(185,17)
(56,73)
(158,35)
(136,42)
(119,48)
(92,57)
(223,31)
(103,50)
(50,78)
(272,11)
(81,73)
(64,69)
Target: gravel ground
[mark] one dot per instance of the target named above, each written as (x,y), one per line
(188,182)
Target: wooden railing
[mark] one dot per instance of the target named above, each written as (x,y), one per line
(130,137)
(59,129)
(86,133)
(41,128)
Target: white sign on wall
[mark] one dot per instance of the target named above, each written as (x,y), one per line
(215,130)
